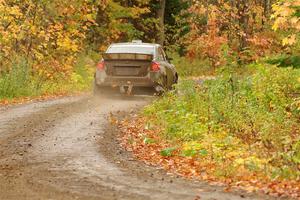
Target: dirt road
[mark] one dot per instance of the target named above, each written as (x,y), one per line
(65,149)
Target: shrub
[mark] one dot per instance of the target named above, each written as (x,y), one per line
(17,82)
(253,118)
(22,81)
(186,67)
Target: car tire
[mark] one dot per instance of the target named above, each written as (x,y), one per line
(165,83)
(176,79)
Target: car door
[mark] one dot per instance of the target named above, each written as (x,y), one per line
(168,67)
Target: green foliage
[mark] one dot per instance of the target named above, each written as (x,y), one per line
(21,82)
(187,67)
(149,140)
(122,21)
(167,152)
(285,61)
(250,121)
(18,81)
(192,149)
(176,21)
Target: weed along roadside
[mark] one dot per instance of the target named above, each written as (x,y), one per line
(23,84)
(240,131)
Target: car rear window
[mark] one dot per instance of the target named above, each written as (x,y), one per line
(131,49)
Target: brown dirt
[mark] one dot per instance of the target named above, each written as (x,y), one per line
(66,149)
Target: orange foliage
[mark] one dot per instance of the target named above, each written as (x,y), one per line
(133,140)
(208,44)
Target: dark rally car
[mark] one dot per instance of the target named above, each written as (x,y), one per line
(135,64)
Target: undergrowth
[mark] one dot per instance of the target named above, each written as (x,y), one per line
(187,67)
(22,81)
(241,124)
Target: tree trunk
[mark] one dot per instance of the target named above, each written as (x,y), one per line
(161,18)
(267,10)
(243,10)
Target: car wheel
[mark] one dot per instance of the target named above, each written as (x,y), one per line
(165,83)
(176,79)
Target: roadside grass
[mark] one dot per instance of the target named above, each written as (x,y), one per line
(17,82)
(237,128)
(250,122)
(187,68)
(22,82)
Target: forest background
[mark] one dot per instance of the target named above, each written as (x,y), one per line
(49,46)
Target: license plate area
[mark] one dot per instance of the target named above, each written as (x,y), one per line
(127,71)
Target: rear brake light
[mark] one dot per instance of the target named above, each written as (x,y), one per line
(155,66)
(101,65)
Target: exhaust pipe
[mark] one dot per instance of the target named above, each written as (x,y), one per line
(126,89)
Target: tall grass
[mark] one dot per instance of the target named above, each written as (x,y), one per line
(22,81)
(17,82)
(187,67)
(250,121)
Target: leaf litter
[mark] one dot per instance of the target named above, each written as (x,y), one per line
(148,145)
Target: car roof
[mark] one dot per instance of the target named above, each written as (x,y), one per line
(135,44)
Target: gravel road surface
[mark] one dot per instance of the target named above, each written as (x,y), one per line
(66,149)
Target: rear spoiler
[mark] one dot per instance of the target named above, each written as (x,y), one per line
(127,56)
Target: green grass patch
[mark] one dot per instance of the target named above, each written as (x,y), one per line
(186,67)
(23,81)
(250,121)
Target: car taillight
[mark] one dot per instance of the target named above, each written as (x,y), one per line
(101,65)
(155,66)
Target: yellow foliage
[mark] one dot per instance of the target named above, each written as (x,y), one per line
(136,12)
(284,15)
(191,146)
(289,40)
(45,39)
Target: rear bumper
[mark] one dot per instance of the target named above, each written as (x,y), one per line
(151,80)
